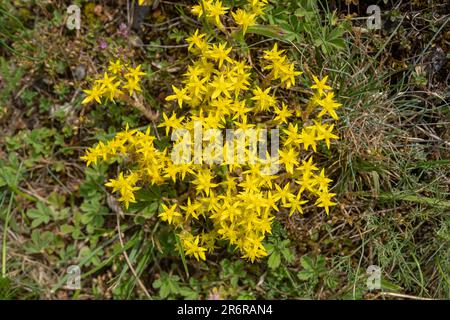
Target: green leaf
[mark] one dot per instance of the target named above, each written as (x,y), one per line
(335,38)
(183,257)
(188,293)
(274,260)
(268,31)
(387,285)
(332,282)
(66,228)
(56,200)
(306,275)
(40,242)
(10,176)
(320,265)
(167,284)
(307,263)
(39,215)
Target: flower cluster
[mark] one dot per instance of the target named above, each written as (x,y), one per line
(119,78)
(244,18)
(138,145)
(231,202)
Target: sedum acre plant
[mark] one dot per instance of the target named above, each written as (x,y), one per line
(119,79)
(234,189)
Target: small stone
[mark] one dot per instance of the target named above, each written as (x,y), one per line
(135,41)
(80,72)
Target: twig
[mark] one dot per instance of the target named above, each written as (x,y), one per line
(400,295)
(433,136)
(149,114)
(165,46)
(155,25)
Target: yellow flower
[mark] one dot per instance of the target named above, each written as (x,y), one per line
(220,53)
(191,209)
(289,74)
(127,197)
(171,123)
(324,200)
(283,114)
(193,248)
(320,85)
(94,94)
(196,86)
(110,86)
(169,214)
(215,10)
(282,194)
(239,109)
(274,54)
(293,137)
(209,240)
(112,91)
(307,167)
(91,156)
(308,138)
(106,81)
(203,181)
(220,86)
(135,73)
(197,40)
(115,67)
(289,159)
(126,187)
(307,180)
(228,232)
(258,6)
(132,86)
(322,181)
(325,133)
(180,95)
(329,106)
(253,249)
(263,98)
(198,8)
(244,19)
(295,204)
